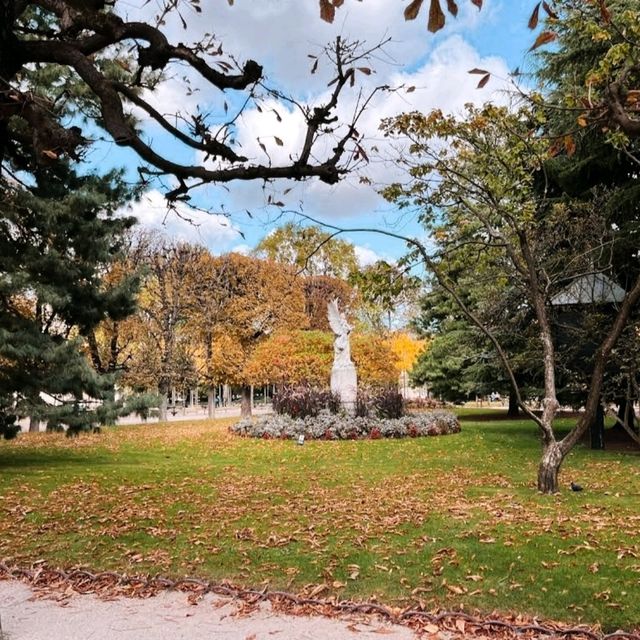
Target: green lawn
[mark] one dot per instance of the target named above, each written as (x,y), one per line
(446,520)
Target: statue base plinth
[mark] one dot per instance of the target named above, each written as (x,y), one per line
(344,382)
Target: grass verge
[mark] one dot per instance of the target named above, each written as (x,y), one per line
(447,521)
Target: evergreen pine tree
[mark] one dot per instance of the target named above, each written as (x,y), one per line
(57,237)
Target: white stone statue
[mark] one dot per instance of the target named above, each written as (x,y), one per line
(344,380)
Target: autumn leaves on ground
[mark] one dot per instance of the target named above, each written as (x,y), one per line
(444,521)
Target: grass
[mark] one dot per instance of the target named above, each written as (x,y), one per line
(446,521)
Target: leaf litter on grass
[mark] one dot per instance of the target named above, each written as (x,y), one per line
(358,518)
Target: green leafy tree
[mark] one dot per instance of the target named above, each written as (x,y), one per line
(386,291)
(311,250)
(475,181)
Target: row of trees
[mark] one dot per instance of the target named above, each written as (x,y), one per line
(205,320)
(71,72)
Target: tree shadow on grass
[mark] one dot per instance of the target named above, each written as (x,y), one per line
(20,460)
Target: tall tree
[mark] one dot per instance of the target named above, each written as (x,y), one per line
(267,297)
(53,292)
(477,191)
(388,292)
(166,356)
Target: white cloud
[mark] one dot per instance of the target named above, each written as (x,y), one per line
(278,34)
(184,224)
(366,256)
(442,81)
(242,249)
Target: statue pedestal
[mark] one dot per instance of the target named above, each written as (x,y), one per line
(344,382)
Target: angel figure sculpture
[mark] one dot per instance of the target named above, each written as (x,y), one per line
(342,329)
(344,380)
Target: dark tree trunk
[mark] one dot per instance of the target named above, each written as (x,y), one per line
(549,468)
(597,429)
(514,407)
(245,402)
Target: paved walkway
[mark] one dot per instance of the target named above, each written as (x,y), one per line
(198,413)
(188,413)
(168,616)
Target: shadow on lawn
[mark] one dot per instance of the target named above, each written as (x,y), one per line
(498,425)
(20,460)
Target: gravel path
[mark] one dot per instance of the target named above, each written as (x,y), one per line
(168,616)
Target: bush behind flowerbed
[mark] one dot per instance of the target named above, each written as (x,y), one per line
(329,426)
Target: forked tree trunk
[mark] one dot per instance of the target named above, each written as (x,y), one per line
(211,402)
(549,468)
(245,402)
(626,413)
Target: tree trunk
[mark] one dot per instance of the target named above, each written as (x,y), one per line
(34,425)
(549,468)
(514,407)
(163,391)
(597,429)
(211,402)
(626,414)
(245,403)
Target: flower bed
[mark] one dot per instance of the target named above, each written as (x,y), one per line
(329,426)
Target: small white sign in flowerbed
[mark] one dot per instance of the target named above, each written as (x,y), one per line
(331,426)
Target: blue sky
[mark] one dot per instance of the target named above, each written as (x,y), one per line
(279,34)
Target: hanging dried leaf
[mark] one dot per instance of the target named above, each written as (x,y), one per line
(605,14)
(315,66)
(480,72)
(412,11)
(550,12)
(278,141)
(327,11)
(411,89)
(533,20)
(436,17)
(365,70)
(569,145)
(362,152)
(452,7)
(483,81)
(478,3)
(543,38)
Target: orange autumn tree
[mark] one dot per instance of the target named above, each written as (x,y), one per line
(255,299)
(306,357)
(376,363)
(293,357)
(406,349)
(219,356)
